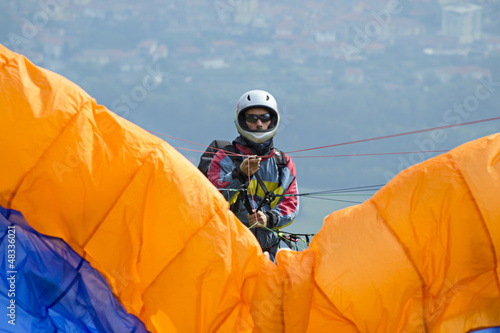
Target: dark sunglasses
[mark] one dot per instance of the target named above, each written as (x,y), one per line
(252,118)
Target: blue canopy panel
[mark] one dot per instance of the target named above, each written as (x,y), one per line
(45,286)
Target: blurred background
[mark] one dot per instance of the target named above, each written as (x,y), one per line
(341,71)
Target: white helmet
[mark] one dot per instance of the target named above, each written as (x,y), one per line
(257,99)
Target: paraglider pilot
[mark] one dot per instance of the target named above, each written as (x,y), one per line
(258,180)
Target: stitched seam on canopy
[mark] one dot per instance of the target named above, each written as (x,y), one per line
(13,194)
(281,306)
(412,262)
(49,147)
(336,309)
(222,315)
(7,63)
(70,285)
(206,222)
(313,265)
(483,221)
(237,305)
(122,192)
(223,319)
(323,293)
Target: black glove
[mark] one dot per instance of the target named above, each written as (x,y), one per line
(238,174)
(272,219)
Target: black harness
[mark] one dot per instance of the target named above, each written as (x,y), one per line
(280,159)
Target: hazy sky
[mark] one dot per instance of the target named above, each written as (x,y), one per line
(340,72)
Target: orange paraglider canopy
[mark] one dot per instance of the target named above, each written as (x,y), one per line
(420,256)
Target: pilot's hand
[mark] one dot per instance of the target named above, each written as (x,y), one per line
(250,165)
(257,219)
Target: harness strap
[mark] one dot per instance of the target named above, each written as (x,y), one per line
(261,183)
(267,194)
(280,159)
(246,200)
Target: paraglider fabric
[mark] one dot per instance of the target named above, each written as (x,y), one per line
(116,231)
(53,288)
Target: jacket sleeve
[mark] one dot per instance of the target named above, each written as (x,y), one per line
(223,173)
(287,209)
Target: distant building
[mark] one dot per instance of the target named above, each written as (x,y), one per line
(354,75)
(447,74)
(285,29)
(245,11)
(462,21)
(317,78)
(160,52)
(405,28)
(325,33)
(262,49)
(213,63)
(147,47)
(52,46)
(204,14)
(493,43)
(446,2)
